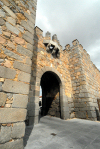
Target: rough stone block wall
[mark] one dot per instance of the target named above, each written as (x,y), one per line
(17,21)
(24,59)
(92,81)
(43,59)
(85,82)
(54,109)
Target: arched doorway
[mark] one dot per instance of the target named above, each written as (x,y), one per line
(44,72)
(50,84)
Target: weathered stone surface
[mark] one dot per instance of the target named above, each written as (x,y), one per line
(21,16)
(0,87)
(31,23)
(33,112)
(11,20)
(7,34)
(29,17)
(25,77)
(9,11)
(28,39)
(81,78)
(27,27)
(7,73)
(66,108)
(34,99)
(15,144)
(5,2)
(10,115)
(8,105)
(33,120)
(1,3)
(2,22)
(65,115)
(15,87)
(12,28)
(80,114)
(11,45)
(14,75)
(13,3)
(91,114)
(2,40)
(11,54)
(3,98)
(20,28)
(33,106)
(0,30)
(30,35)
(18,130)
(7,63)
(19,40)
(20,101)
(24,51)
(22,67)
(28,61)
(30,47)
(32,11)
(9,95)
(2,79)
(5,134)
(2,13)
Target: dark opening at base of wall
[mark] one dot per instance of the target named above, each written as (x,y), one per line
(50,95)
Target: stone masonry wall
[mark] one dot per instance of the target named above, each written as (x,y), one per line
(17,21)
(41,59)
(92,81)
(85,82)
(23,56)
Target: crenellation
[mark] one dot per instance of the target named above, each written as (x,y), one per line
(75,42)
(80,46)
(48,35)
(54,37)
(67,47)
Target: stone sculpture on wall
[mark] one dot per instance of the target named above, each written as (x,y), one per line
(52,47)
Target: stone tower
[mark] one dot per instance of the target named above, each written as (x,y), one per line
(17,22)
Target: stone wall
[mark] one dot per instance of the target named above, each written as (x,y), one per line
(44,61)
(80,77)
(25,56)
(92,82)
(85,82)
(17,21)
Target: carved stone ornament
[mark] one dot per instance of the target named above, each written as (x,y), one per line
(52,47)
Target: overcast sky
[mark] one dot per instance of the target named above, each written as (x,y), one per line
(72,19)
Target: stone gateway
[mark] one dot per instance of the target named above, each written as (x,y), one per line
(69,80)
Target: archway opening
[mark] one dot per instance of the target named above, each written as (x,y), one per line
(50,85)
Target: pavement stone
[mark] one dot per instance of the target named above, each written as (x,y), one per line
(54,133)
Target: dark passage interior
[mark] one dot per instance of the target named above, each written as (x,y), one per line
(50,95)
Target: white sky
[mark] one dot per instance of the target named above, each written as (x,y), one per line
(72,19)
